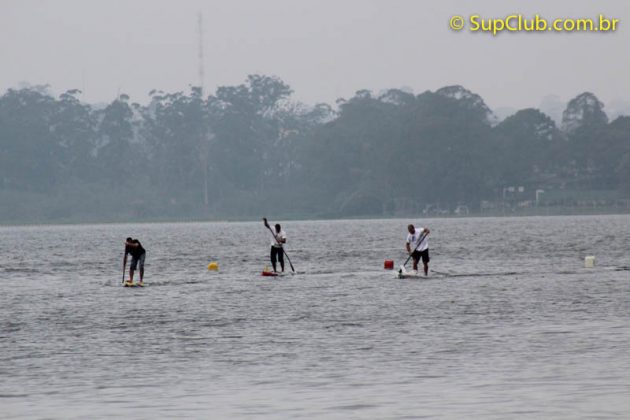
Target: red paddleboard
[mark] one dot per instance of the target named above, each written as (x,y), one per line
(269,274)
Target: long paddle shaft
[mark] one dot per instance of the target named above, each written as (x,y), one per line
(424,235)
(274,236)
(124,264)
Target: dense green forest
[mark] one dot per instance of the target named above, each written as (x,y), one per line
(251,150)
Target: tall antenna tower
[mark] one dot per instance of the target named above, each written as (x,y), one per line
(200,52)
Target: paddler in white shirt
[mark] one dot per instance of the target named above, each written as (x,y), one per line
(277,252)
(418,246)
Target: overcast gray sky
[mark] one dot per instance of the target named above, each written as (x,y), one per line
(325,49)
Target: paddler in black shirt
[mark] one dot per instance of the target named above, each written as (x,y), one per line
(134,247)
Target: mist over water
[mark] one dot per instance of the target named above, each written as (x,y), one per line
(509,324)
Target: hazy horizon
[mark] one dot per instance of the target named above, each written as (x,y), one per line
(323,50)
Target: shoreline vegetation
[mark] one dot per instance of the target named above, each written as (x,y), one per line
(516,213)
(249,150)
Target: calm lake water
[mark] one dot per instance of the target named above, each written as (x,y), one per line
(509,325)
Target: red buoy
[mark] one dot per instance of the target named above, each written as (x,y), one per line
(389,264)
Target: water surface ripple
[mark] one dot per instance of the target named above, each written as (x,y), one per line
(510,324)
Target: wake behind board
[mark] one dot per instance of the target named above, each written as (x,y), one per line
(133,284)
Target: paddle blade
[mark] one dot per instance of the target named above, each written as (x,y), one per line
(265,222)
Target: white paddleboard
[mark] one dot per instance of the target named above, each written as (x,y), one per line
(411,275)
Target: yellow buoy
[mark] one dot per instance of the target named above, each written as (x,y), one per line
(213,266)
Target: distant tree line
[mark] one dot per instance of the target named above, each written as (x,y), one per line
(250,150)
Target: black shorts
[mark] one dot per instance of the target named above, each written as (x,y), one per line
(277,254)
(135,260)
(418,254)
